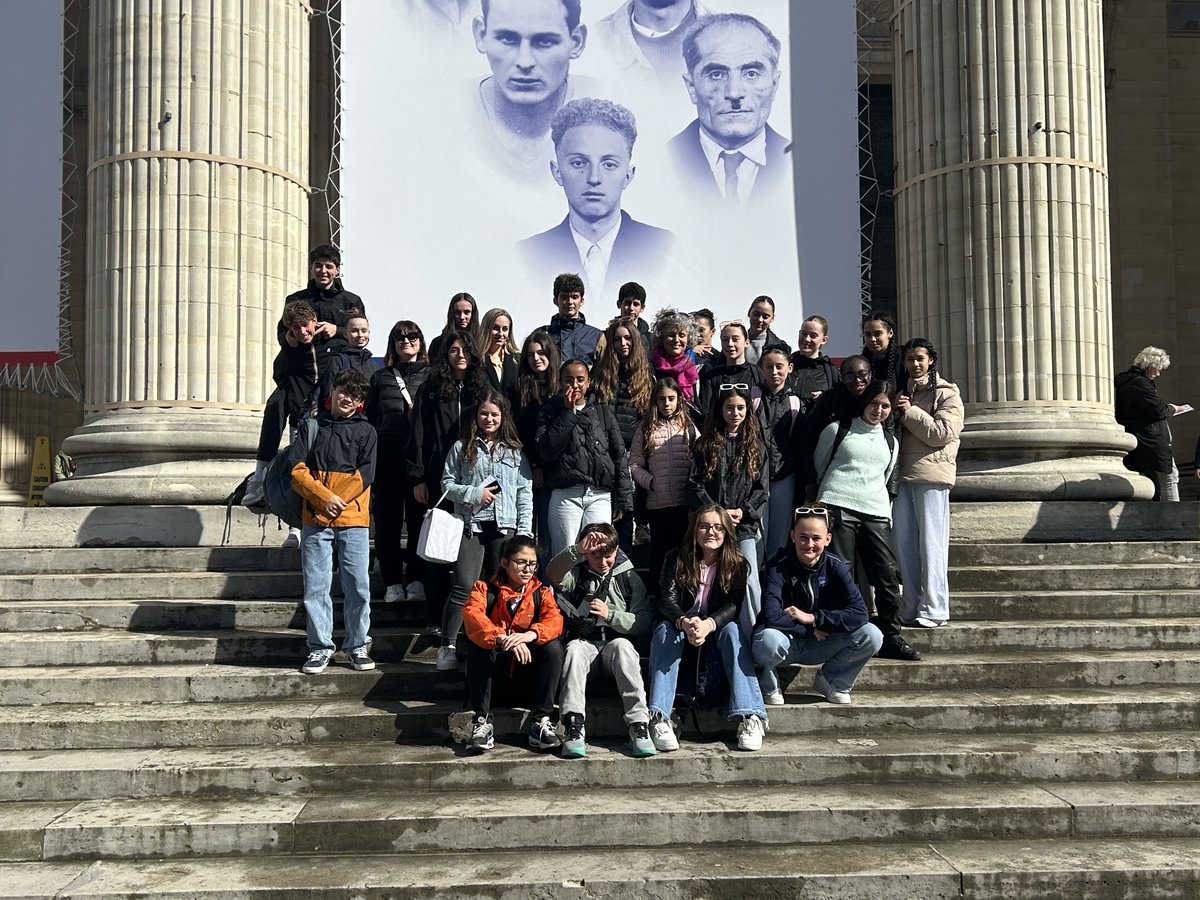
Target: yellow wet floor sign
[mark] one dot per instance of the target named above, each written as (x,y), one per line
(39,475)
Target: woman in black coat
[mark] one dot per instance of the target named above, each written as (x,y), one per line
(1144,415)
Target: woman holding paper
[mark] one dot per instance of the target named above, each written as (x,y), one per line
(1144,415)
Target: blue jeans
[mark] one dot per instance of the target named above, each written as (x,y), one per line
(841,656)
(666,650)
(752,602)
(316,559)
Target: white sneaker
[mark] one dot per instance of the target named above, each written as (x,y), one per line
(447,659)
(750,733)
(663,735)
(416,592)
(254,495)
(292,541)
(395,594)
(823,687)
(774,698)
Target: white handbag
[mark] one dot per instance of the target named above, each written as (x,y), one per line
(441,535)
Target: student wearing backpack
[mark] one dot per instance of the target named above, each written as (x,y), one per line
(702,590)
(512,626)
(730,469)
(604,608)
(390,406)
(841,403)
(778,409)
(812,615)
(854,462)
(587,467)
(660,461)
(487,478)
(334,479)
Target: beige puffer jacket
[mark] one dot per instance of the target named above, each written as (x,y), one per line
(929,432)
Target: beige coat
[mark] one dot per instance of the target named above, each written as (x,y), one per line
(929,432)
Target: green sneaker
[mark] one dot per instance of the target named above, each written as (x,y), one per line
(639,739)
(574,744)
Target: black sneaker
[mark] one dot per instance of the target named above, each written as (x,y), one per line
(574,745)
(896,647)
(482,735)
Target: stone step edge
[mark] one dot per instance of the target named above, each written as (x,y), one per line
(421,822)
(931,870)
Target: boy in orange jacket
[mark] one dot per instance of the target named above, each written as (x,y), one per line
(335,481)
(513,625)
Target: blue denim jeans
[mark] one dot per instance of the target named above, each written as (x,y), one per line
(666,651)
(841,656)
(752,602)
(316,559)
(778,521)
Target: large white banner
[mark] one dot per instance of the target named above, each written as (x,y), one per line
(489,153)
(31,62)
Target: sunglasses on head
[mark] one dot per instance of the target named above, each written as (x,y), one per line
(802,511)
(734,387)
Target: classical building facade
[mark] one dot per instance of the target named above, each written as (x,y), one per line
(1040,169)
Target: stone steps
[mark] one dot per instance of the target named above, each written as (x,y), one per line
(581,819)
(992,869)
(1038,556)
(1033,605)
(786,760)
(1062,577)
(124,560)
(303,720)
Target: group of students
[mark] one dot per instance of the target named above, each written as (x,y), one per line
(739,463)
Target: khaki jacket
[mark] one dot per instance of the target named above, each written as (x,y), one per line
(929,432)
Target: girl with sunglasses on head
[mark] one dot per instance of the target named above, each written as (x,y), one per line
(931,419)
(390,409)
(842,403)
(731,368)
(730,468)
(513,625)
(813,614)
(487,478)
(702,590)
(855,462)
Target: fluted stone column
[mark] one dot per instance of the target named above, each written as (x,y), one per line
(197,230)
(1003,238)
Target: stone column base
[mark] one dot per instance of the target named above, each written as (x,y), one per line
(1032,453)
(158,457)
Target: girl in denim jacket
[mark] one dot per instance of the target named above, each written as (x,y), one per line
(488,479)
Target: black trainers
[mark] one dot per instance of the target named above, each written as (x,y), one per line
(542,735)
(896,647)
(483,737)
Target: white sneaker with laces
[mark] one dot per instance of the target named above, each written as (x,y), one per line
(317,662)
(823,687)
(750,733)
(447,659)
(394,594)
(774,698)
(663,735)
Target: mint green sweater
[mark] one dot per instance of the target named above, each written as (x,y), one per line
(856,478)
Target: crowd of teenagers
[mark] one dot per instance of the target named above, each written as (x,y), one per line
(767,483)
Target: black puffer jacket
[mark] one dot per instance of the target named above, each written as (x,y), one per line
(1144,414)
(628,418)
(810,375)
(732,488)
(777,419)
(674,601)
(386,407)
(332,305)
(716,374)
(437,424)
(585,448)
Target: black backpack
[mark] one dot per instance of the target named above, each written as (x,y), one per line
(279,496)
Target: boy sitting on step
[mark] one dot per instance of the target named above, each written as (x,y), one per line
(335,481)
(604,606)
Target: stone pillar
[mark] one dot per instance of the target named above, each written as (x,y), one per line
(1003,238)
(197,230)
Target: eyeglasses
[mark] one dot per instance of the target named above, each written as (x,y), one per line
(856,376)
(525,565)
(714,527)
(409,336)
(735,387)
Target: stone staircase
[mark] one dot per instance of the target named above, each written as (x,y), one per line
(156,740)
